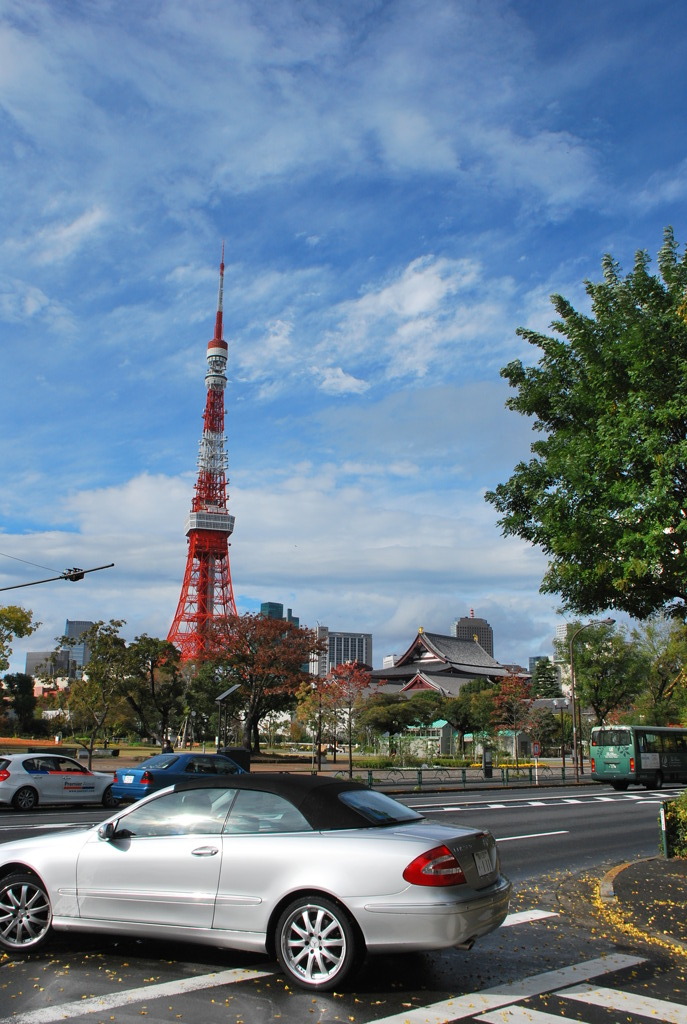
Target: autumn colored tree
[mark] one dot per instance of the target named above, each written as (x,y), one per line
(267,658)
(512,703)
(346,686)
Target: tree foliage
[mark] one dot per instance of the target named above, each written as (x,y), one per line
(545,681)
(604,494)
(89,702)
(662,699)
(610,670)
(512,706)
(155,687)
(19,688)
(266,657)
(14,622)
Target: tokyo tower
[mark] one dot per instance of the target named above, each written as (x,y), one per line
(207,593)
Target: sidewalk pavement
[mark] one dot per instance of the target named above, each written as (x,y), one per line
(651,898)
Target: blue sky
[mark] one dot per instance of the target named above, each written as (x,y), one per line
(400,184)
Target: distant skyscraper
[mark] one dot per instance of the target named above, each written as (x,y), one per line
(471,628)
(79,653)
(341,647)
(69,661)
(274,610)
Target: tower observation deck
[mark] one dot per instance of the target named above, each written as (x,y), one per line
(206,591)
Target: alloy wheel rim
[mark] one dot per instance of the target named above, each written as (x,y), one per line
(24,914)
(313,943)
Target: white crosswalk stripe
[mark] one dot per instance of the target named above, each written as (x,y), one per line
(628,1002)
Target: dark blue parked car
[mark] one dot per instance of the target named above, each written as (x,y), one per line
(166,769)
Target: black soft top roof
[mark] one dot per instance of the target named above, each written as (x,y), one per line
(315,796)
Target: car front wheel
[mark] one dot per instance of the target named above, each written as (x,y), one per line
(25,799)
(25,914)
(316,944)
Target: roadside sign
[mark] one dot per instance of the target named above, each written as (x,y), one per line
(535,749)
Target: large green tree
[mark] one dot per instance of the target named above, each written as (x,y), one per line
(605,492)
(89,702)
(610,669)
(663,696)
(155,686)
(19,687)
(14,622)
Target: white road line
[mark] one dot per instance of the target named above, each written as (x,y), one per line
(522,1015)
(628,1002)
(536,803)
(505,995)
(534,835)
(524,916)
(571,800)
(165,990)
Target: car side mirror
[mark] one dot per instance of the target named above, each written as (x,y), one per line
(107,831)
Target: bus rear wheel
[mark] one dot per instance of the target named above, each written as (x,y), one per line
(656,782)
(619,786)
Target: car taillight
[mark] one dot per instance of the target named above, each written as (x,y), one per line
(632,764)
(593,765)
(146,778)
(4,775)
(435,867)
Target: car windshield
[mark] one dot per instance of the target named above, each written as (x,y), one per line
(378,808)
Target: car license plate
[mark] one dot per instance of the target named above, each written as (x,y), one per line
(483,862)
(128,778)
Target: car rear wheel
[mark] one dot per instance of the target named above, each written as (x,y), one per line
(109,800)
(25,914)
(316,944)
(25,799)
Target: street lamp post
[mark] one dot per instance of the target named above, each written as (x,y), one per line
(561,704)
(576,752)
(317,688)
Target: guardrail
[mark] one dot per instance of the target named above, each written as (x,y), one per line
(437,777)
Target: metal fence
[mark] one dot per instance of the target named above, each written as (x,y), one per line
(435,777)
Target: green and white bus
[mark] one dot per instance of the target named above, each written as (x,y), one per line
(647,755)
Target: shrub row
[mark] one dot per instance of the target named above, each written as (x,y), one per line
(676,826)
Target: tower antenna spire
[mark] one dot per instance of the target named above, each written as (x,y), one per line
(206,591)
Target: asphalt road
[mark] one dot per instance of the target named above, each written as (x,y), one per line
(554,957)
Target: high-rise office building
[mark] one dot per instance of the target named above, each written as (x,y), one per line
(471,628)
(79,653)
(341,648)
(274,610)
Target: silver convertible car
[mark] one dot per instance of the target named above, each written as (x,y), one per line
(314,871)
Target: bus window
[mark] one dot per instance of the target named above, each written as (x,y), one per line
(649,743)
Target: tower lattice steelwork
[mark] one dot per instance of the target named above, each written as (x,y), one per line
(207,592)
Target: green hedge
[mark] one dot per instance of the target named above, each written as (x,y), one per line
(676,826)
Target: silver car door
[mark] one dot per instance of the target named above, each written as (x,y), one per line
(161,868)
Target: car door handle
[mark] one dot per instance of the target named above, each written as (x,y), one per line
(204,851)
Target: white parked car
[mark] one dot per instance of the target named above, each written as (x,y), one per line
(312,870)
(27,780)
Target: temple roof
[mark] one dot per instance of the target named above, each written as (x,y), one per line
(435,655)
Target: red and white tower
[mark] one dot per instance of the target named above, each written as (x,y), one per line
(206,592)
